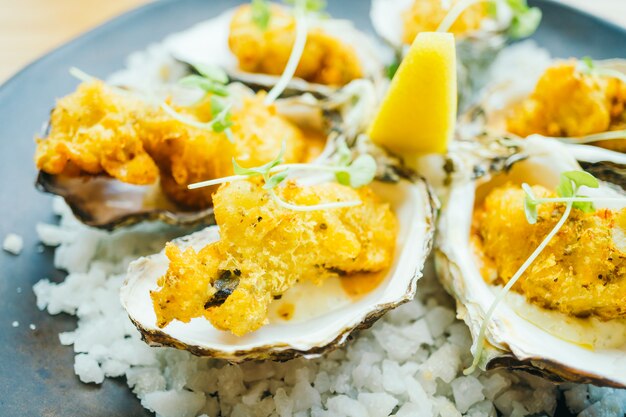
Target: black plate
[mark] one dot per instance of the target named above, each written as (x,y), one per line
(36,372)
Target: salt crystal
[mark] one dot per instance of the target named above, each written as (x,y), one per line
(392,377)
(13,244)
(342,405)
(445,408)
(322,382)
(494,383)
(88,369)
(467,391)
(305,396)
(284,404)
(576,398)
(609,406)
(51,235)
(413,410)
(444,363)
(174,403)
(15,324)
(379,404)
(32,326)
(144,380)
(416,393)
(438,319)
(482,409)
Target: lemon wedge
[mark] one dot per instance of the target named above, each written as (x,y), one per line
(418,114)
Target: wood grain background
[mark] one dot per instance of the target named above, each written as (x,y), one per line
(30,28)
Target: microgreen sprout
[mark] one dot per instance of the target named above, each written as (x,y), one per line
(261,13)
(523,23)
(81,75)
(212,80)
(567,191)
(392,67)
(353,173)
(588,67)
(310,6)
(300,11)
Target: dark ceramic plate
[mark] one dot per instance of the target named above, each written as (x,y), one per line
(36,372)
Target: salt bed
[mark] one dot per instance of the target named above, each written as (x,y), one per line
(408,364)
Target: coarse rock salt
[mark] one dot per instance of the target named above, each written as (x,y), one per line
(13,243)
(174,403)
(467,391)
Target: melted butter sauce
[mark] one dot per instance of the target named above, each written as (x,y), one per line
(286,311)
(359,284)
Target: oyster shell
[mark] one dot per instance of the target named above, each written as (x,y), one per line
(107,203)
(489,113)
(520,335)
(207,43)
(324,317)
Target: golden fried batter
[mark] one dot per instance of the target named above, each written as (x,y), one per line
(567,103)
(187,154)
(326,59)
(99,131)
(93,131)
(265,249)
(582,271)
(427,15)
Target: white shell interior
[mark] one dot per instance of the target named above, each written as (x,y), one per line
(508,330)
(323,314)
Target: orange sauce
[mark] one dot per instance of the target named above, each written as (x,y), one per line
(316,141)
(286,311)
(359,284)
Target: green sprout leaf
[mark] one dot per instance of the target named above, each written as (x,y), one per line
(530,204)
(261,13)
(273,181)
(582,178)
(584,206)
(524,23)
(565,187)
(362,171)
(392,68)
(263,169)
(205,84)
(525,19)
(212,73)
(588,65)
(312,6)
(343,155)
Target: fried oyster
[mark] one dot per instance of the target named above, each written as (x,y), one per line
(98,130)
(568,102)
(426,15)
(325,60)
(582,271)
(264,249)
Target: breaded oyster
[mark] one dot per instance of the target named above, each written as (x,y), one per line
(265,249)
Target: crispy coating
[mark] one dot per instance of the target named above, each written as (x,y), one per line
(93,131)
(326,59)
(186,154)
(582,271)
(426,15)
(99,131)
(567,103)
(268,249)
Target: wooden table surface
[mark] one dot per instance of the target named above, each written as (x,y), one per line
(30,28)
